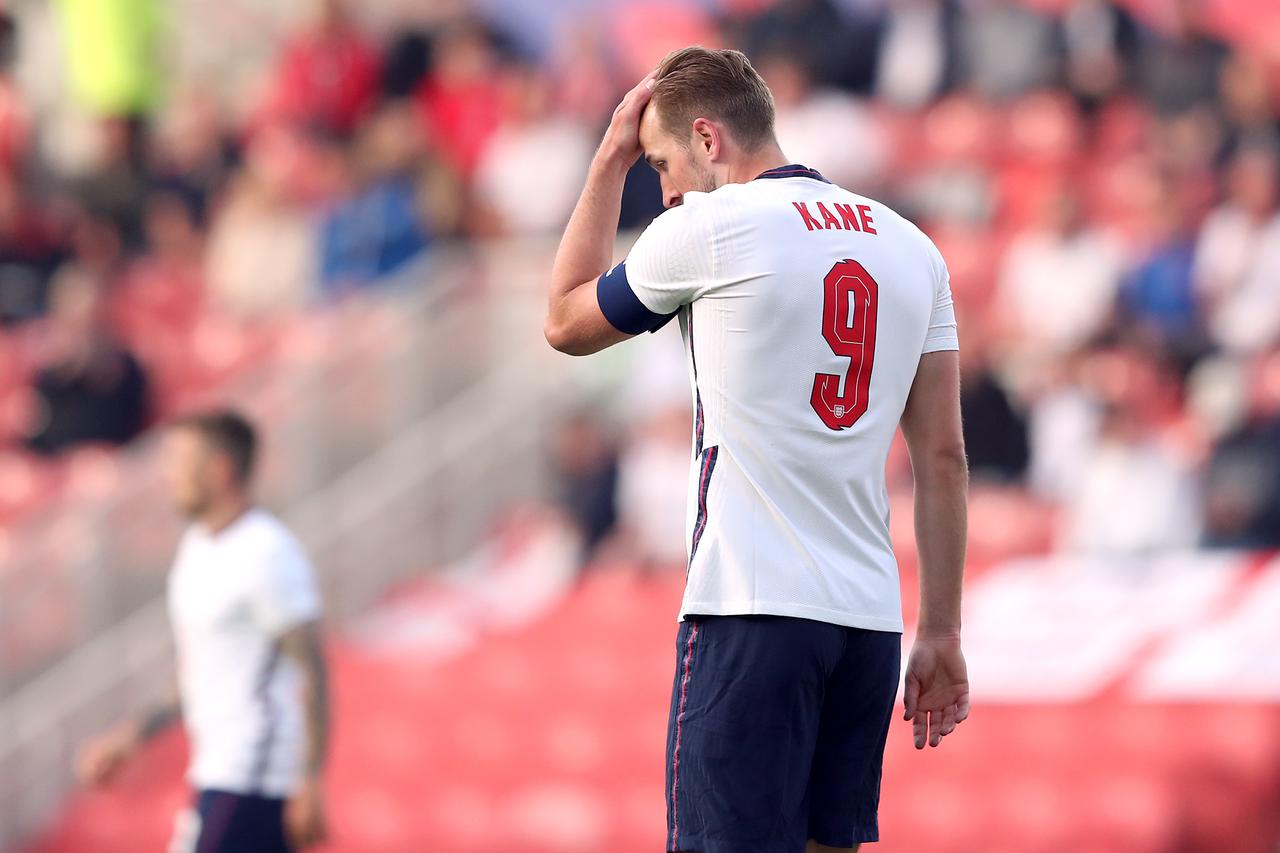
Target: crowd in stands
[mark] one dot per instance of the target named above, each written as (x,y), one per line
(1104,187)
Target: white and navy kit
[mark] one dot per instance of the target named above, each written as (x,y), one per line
(232,595)
(805,310)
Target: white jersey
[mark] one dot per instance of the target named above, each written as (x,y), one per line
(805,310)
(232,594)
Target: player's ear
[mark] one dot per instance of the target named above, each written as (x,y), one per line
(706,136)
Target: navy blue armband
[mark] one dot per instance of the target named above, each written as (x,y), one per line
(622,308)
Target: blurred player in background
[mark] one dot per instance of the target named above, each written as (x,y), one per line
(816,322)
(253,685)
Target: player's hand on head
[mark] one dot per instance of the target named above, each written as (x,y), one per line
(936,692)
(622,139)
(305,815)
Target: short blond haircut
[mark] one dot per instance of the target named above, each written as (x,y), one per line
(698,82)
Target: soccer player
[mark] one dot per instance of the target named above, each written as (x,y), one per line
(251,667)
(816,322)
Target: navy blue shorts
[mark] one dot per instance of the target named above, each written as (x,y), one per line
(777,733)
(239,823)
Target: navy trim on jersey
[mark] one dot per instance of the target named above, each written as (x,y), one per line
(704,486)
(622,308)
(262,692)
(697,422)
(792,170)
(697,394)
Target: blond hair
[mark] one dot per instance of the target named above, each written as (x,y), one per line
(696,82)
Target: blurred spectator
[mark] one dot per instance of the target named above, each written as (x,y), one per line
(835,48)
(1058,281)
(641,32)
(1237,256)
(825,129)
(117,185)
(582,74)
(193,155)
(174,256)
(461,99)
(1242,483)
(1158,296)
(408,56)
(327,74)
(90,389)
(96,247)
(31,248)
(1044,136)
(529,173)
(1134,494)
(586,465)
(652,486)
(1063,426)
(113,53)
(1134,497)
(1180,70)
(919,53)
(15,119)
(995,433)
(378,225)
(1007,49)
(954,186)
(1101,40)
(1248,104)
(262,246)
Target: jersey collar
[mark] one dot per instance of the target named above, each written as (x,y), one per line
(792,170)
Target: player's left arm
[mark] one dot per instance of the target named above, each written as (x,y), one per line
(302,644)
(575,323)
(286,605)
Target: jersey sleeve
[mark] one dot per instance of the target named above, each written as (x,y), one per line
(283,591)
(667,268)
(942,333)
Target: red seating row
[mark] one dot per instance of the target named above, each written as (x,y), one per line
(551,739)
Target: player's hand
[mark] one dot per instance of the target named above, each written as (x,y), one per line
(101,758)
(304,815)
(936,693)
(622,139)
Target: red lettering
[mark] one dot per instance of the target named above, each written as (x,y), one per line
(865,212)
(829,218)
(809,222)
(847,214)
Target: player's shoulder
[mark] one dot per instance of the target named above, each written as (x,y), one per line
(895,225)
(260,529)
(679,229)
(693,208)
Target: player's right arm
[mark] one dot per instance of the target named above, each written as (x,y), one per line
(575,323)
(936,692)
(101,757)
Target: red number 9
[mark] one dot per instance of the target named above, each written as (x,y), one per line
(849,325)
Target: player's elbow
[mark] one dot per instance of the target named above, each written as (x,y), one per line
(561,338)
(942,461)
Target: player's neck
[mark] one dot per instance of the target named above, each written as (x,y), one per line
(752,165)
(223,514)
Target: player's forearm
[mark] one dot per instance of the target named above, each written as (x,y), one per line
(586,249)
(316,699)
(941,520)
(304,646)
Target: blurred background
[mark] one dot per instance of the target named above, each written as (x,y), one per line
(341,218)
